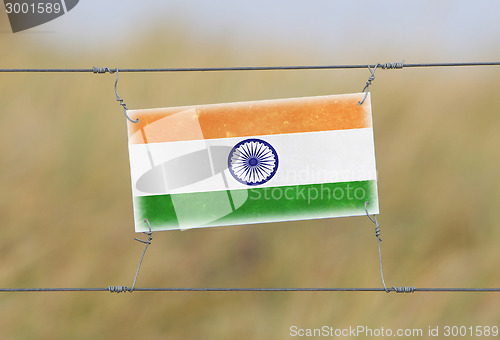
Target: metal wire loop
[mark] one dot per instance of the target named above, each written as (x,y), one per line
(368,83)
(148,233)
(374,220)
(377,234)
(385,66)
(120,100)
(102,70)
(147,242)
(122,289)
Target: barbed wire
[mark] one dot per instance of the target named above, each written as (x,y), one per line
(398,65)
(120,289)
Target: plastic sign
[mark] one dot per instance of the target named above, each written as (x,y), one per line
(252,162)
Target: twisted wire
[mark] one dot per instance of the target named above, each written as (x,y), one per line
(104,70)
(368,83)
(377,234)
(404,289)
(379,239)
(392,66)
(117,289)
(118,99)
(147,242)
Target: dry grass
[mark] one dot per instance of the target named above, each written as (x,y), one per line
(66,213)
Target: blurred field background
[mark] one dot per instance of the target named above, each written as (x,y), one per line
(66,208)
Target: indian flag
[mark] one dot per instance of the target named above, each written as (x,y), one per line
(252,162)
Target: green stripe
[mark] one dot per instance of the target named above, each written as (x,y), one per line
(255,205)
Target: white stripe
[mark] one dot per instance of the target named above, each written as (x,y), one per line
(304,158)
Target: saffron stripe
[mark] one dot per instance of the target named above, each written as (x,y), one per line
(267,117)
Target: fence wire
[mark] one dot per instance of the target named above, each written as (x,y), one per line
(398,65)
(123,289)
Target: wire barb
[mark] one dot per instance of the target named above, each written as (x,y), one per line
(404,289)
(392,66)
(117,289)
(102,70)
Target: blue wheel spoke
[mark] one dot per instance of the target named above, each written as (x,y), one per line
(267,157)
(244,152)
(264,175)
(267,168)
(270,161)
(259,150)
(250,149)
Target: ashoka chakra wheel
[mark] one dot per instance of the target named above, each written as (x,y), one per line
(253,161)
